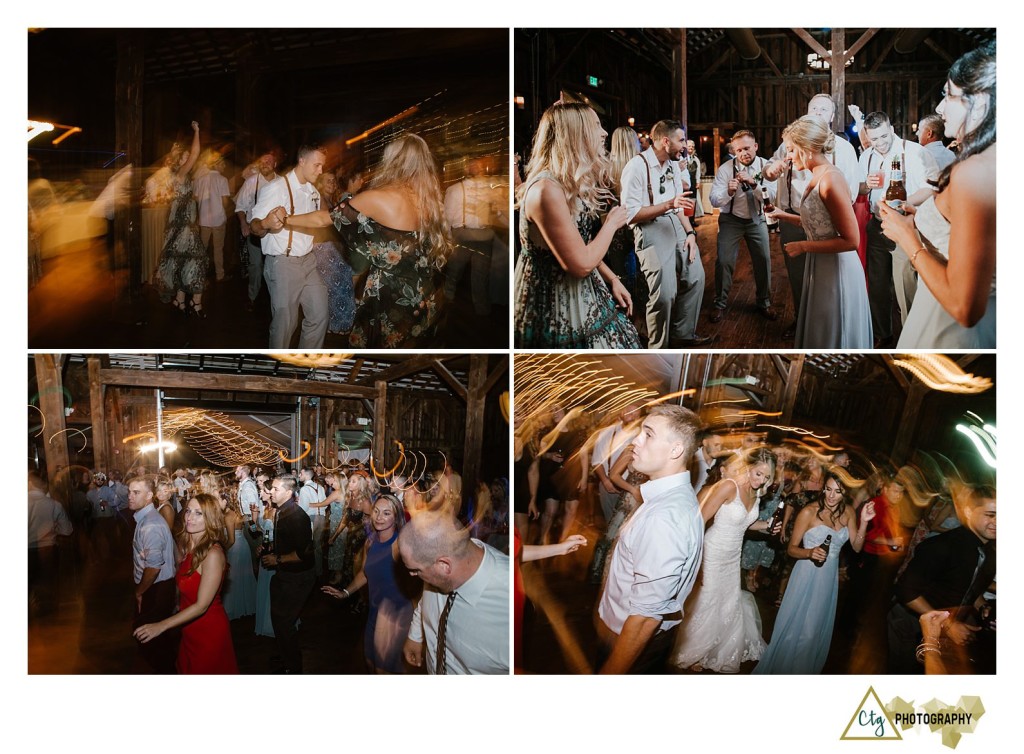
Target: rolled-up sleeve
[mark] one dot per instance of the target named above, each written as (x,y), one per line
(634,178)
(273,196)
(416,627)
(719,196)
(659,571)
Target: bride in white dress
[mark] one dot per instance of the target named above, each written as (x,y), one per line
(721,626)
(951,238)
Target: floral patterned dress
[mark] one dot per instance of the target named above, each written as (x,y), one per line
(555,310)
(403,297)
(183,261)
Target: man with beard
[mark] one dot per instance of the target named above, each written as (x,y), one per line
(737,193)
(666,243)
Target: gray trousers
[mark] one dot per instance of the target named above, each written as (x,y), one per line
(295,282)
(730,230)
(889,270)
(675,286)
(473,245)
(255,269)
(794,265)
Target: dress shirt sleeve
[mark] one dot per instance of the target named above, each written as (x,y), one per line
(720,188)
(772,186)
(152,545)
(245,199)
(61,522)
(846,161)
(271,197)
(416,627)
(634,187)
(924,169)
(657,571)
(453,202)
(684,176)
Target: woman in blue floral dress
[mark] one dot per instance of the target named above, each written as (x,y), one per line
(181,272)
(565,295)
(398,226)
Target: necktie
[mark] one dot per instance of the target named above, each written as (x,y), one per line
(442,631)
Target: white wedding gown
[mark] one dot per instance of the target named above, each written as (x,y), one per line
(721,626)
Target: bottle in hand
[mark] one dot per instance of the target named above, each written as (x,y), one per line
(824,546)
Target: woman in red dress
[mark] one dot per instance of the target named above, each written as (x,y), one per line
(206,646)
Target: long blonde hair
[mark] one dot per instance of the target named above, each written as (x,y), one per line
(625,146)
(565,146)
(407,163)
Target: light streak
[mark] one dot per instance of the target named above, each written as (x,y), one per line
(72,429)
(312,360)
(670,396)
(136,436)
(797,430)
(393,469)
(974,438)
(167,445)
(383,124)
(724,400)
(42,416)
(942,373)
(305,452)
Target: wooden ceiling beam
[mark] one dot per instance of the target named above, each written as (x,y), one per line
(230,382)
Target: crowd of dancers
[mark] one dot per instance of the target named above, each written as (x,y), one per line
(696,521)
(609,255)
(210,547)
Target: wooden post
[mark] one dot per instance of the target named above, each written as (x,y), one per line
(908,422)
(679,74)
(796,368)
(128,137)
(717,151)
(100,453)
(839,77)
(116,457)
(380,420)
(473,445)
(51,403)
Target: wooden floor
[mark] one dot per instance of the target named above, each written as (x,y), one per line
(81,303)
(559,634)
(89,631)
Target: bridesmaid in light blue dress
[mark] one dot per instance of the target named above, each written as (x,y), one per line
(239,592)
(803,628)
(264,627)
(834,309)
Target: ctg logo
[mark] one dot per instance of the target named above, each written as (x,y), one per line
(874,721)
(871,721)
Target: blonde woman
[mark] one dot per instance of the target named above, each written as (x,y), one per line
(834,310)
(565,295)
(722,627)
(398,226)
(621,256)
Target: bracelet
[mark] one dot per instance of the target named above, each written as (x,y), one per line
(913,259)
(927,646)
(691,233)
(346,592)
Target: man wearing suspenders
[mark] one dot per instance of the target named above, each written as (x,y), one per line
(289,264)
(737,193)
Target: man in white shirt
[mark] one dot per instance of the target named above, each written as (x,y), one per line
(245,200)
(930,131)
(706,457)
(248,491)
(736,192)
(289,265)
(471,207)
(653,186)
(311,500)
(889,269)
(47,521)
(791,184)
(655,562)
(460,625)
(213,195)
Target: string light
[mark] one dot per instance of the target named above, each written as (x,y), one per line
(217,439)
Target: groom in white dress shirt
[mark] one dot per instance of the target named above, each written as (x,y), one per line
(656,559)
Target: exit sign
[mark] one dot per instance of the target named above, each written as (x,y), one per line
(593,81)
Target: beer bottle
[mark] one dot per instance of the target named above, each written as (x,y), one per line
(896,194)
(824,546)
(775,518)
(772,222)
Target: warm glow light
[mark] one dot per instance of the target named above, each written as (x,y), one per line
(631,121)
(978,443)
(942,373)
(36,127)
(383,124)
(167,445)
(312,360)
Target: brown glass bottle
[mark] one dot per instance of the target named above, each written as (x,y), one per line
(896,194)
